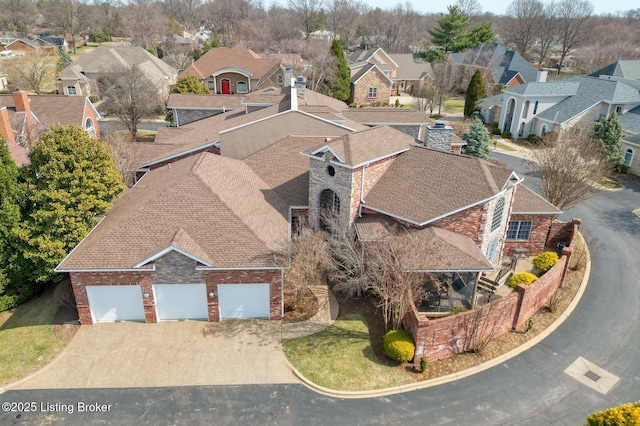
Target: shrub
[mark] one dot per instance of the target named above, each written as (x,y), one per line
(94,98)
(544,261)
(533,138)
(423,364)
(496,131)
(622,168)
(625,414)
(398,345)
(494,124)
(506,134)
(353,105)
(523,277)
(397,103)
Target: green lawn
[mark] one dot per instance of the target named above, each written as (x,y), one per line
(503,146)
(341,358)
(453,105)
(27,342)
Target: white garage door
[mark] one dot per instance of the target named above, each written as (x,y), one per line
(243,300)
(115,303)
(181,301)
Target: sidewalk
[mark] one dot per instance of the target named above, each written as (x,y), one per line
(518,151)
(326,315)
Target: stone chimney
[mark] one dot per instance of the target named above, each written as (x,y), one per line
(300,84)
(439,136)
(288,76)
(21,101)
(5,125)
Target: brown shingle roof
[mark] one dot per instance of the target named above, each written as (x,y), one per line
(527,201)
(53,109)
(373,116)
(283,167)
(441,250)
(188,100)
(367,145)
(218,58)
(424,184)
(212,207)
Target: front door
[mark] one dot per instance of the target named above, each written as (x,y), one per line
(226,90)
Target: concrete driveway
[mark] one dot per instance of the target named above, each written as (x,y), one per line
(176,353)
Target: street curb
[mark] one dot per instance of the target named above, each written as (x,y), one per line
(461,374)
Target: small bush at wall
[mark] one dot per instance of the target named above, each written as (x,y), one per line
(494,124)
(399,346)
(353,105)
(625,414)
(533,138)
(496,131)
(544,261)
(523,277)
(94,98)
(423,364)
(506,135)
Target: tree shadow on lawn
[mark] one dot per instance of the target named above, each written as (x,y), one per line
(41,310)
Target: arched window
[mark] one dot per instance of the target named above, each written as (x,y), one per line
(525,110)
(242,86)
(89,127)
(543,129)
(498,211)
(535,108)
(329,208)
(628,157)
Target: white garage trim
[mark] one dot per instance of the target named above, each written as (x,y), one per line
(115,303)
(244,301)
(181,301)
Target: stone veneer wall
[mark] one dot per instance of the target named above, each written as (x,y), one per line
(446,336)
(176,268)
(360,90)
(439,137)
(340,183)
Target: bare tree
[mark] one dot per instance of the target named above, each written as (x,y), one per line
(123,154)
(444,78)
(107,15)
(523,18)
(17,15)
(279,24)
(32,72)
(546,32)
(307,13)
(341,16)
(130,95)
(574,23)
(478,327)
(185,11)
(68,16)
(347,270)
(144,22)
(569,166)
(224,15)
(469,7)
(307,256)
(428,98)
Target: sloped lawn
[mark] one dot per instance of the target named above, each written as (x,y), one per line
(28,338)
(341,358)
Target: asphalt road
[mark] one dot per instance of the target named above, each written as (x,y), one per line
(530,389)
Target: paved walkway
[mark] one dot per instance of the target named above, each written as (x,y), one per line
(327,314)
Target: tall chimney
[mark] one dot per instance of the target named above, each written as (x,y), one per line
(300,84)
(288,76)
(439,136)
(21,101)
(5,125)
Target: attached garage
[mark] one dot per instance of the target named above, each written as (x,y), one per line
(115,303)
(181,301)
(244,301)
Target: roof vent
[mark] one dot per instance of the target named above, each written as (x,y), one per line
(327,140)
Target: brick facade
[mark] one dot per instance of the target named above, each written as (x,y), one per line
(446,336)
(360,90)
(540,227)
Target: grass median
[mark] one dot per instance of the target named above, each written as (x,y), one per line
(341,358)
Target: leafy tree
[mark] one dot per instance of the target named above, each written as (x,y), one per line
(71,179)
(475,92)
(477,139)
(190,84)
(480,34)
(608,133)
(10,194)
(129,95)
(341,88)
(451,32)
(64,60)
(432,55)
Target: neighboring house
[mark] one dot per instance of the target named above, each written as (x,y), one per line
(370,67)
(263,173)
(3,80)
(80,78)
(226,71)
(25,46)
(507,68)
(30,115)
(59,42)
(577,102)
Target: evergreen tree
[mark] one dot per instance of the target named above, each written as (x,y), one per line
(451,32)
(475,92)
(64,60)
(10,194)
(190,84)
(608,133)
(341,87)
(71,179)
(477,139)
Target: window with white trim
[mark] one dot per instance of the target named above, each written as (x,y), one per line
(535,108)
(618,109)
(628,157)
(280,80)
(211,85)
(242,87)
(519,230)
(498,211)
(90,127)
(373,93)
(71,90)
